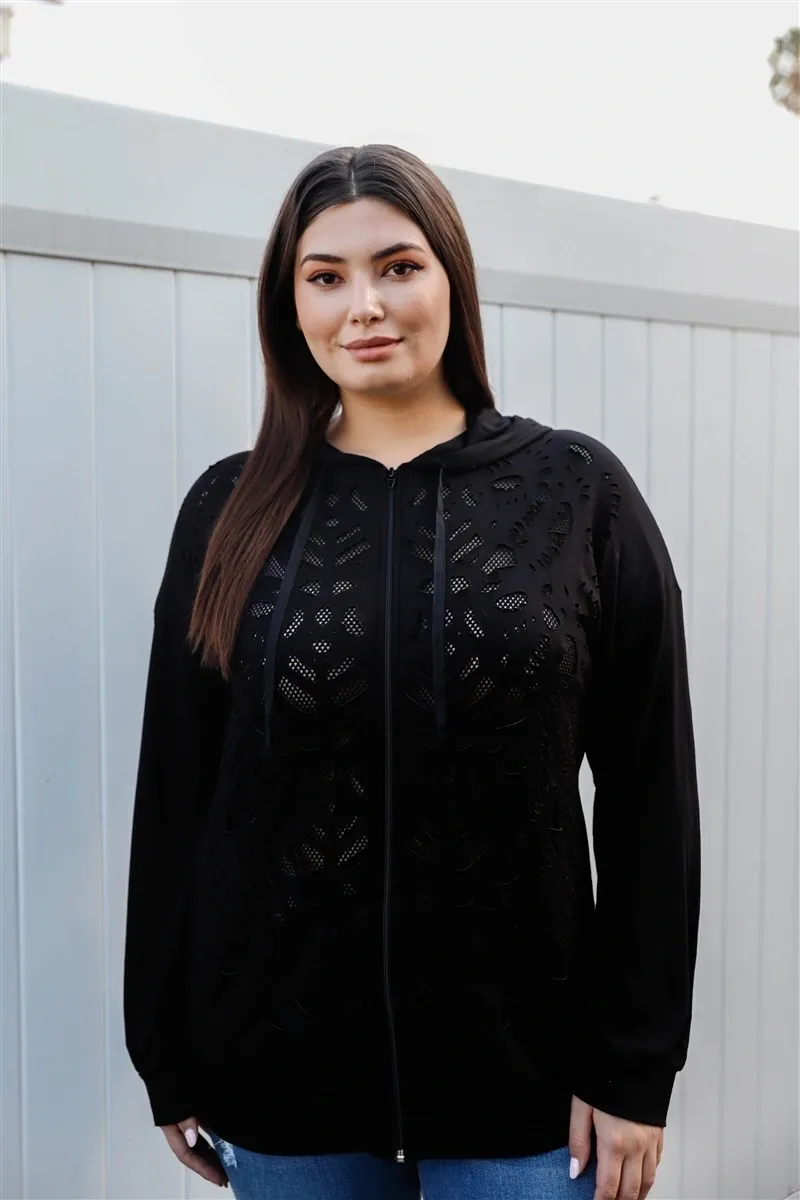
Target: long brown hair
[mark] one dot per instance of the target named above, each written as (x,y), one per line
(300,398)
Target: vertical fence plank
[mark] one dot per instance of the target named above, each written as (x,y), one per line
(213,372)
(778,1129)
(578,371)
(491,319)
(744,792)
(625,394)
(708,605)
(671,448)
(528,363)
(134,388)
(11,1175)
(668,454)
(51,429)
(257,381)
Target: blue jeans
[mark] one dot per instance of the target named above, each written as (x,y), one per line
(366,1177)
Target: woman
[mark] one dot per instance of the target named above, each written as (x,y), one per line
(363,953)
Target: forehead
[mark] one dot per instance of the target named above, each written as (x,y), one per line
(358,229)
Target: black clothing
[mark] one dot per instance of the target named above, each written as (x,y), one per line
(360,909)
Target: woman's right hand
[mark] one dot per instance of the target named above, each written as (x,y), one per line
(192,1149)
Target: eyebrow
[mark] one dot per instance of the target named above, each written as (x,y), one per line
(395,249)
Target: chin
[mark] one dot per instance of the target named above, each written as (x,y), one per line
(376,383)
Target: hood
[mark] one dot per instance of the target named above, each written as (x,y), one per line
(489,436)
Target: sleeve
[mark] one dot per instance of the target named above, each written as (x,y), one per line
(185,712)
(637,995)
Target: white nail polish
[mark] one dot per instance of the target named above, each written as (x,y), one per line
(191,1136)
(574,1167)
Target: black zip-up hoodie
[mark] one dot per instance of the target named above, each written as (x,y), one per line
(360,906)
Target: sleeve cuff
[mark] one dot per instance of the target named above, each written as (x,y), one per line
(642,1097)
(170,1098)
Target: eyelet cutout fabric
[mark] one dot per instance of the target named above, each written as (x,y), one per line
(386,925)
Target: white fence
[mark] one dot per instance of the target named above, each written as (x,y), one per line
(130,362)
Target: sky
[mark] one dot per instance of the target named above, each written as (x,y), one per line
(630,100)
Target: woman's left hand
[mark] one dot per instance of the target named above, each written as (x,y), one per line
(627,1153)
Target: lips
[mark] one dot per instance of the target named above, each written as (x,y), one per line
(372,349)
(369,343)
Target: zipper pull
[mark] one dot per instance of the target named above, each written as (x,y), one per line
(390,481)
(400,1157)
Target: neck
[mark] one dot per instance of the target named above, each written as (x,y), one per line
(395,427)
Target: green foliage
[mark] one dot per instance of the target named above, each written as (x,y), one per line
(785,63)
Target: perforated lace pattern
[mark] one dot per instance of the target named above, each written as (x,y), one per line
(294,851)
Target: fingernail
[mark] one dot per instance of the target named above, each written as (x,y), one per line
(574,1167)
(191,1136)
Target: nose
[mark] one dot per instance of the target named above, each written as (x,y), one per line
(365,301)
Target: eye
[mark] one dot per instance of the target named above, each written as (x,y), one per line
(414,268)
(321,276)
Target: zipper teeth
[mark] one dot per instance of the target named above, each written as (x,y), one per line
(387,873)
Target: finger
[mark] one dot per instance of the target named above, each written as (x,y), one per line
(202,1160)
(580,1136)
(649,1168)
(209,1154)
(609,1167)
(177,1140)
(189,1130)
(660,1147)
(630,1177)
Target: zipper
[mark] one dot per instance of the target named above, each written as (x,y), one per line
(391,479)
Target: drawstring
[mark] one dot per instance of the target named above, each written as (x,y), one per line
(279,611)
(437,625)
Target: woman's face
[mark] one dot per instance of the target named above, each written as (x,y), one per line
(347,287)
